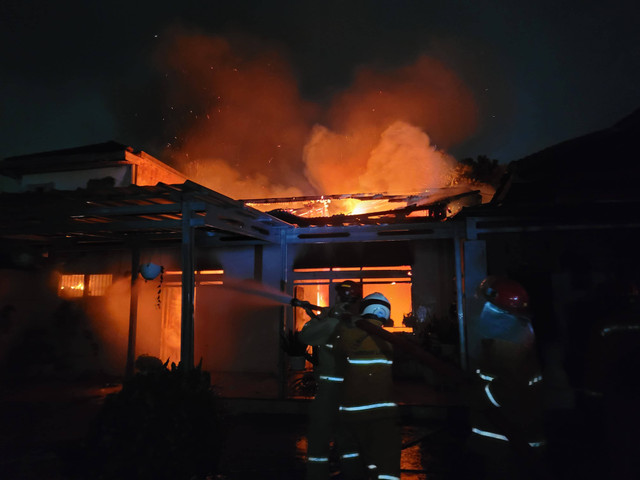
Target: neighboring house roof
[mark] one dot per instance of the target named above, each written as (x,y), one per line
(78,158)
(586,183)
(92,157)
(600,166)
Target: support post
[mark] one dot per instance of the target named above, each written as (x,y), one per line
(188,288)
(133,312)
(474,266)
(462,330)
(286,312)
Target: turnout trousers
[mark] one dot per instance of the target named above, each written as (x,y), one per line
(323,420)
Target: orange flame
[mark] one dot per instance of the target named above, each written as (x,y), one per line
(253,135)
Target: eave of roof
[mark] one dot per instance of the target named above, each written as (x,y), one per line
(122,213)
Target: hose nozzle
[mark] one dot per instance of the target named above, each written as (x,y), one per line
(296,302)
(309,307)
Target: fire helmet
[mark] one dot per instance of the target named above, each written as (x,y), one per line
(377,305)
(505,294)
(349,291)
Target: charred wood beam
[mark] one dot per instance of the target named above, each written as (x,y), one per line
(91,210)
(109,244)
(129,210)
(54,227)
(479,227)
(370,274)
(152,209)
(239,223)
(371,233)
(214,238)
(429,195)
(315,198)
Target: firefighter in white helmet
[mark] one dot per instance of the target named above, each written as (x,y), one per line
(368,415)
(323,415)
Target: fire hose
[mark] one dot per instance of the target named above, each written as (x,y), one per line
(445,369)
(411,348)
(517,440)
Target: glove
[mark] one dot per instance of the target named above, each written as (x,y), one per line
(341,314)
(295,302)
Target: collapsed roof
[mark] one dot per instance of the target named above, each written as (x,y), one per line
(369,209)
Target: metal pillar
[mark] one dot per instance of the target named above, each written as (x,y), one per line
(474,264)
(133,312)
(462,330)
(286,312)
(188,289)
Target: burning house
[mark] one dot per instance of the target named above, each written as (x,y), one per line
(78,222)
(78,225)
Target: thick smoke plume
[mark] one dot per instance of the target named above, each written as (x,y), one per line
(247,132)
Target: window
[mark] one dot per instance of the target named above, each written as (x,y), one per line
(202,277)
(171,304)
(80,285)
(316,285)
(98,284)
(71,286)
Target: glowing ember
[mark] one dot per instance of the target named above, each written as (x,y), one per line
(435,203)
(238,124)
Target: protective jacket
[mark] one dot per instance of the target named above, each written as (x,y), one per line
(323,414)
(367,363)
(319,332)
(613,373)
(508,386)
(506,400)
(368,413)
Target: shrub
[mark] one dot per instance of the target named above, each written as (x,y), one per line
(163,424)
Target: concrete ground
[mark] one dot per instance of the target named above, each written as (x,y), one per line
(273,448)
(43,425)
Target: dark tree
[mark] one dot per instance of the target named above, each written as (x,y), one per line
(482,169)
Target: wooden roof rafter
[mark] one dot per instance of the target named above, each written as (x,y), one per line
(120,213)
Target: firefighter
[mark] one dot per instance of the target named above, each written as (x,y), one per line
(612,377)
(506,399)
(368,415)
(323,414)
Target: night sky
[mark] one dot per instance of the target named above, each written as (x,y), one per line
(527,74)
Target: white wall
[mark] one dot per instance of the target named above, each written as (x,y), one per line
(72,180)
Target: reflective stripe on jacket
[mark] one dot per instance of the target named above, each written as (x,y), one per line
(509,380)
(367,366)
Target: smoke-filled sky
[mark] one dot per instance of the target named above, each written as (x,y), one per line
(257,98)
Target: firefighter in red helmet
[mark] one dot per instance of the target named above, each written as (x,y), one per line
(504,293)
(319,332)
(506,400)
